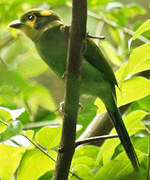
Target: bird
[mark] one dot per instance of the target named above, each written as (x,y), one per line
(44,28)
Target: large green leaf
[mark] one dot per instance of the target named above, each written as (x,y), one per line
(10,158)
(35,164)
(88,150)
(84,160)
(82,171)
(139,61)
(49,137)
(132,123)
(132,89)
(118,169)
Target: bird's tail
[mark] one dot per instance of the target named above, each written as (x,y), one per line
(122,133)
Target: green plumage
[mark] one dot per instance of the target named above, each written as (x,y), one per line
(97,77)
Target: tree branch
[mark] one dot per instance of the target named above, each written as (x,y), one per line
(99,126)
(96,138)
(75,53)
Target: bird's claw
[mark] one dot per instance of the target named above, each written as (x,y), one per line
(61,107)
(65,29)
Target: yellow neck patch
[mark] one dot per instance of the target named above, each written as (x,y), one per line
(31,23)
(45,13)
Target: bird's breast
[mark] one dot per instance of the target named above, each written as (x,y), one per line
(52,47)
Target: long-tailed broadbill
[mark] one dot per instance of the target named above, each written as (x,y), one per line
(44,28)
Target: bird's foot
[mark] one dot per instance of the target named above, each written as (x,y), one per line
(61,107)
(65,29)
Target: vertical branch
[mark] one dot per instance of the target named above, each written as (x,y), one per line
(74,59)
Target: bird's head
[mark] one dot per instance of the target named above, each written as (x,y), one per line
(35,21)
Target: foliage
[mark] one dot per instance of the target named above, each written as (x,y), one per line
(27,106)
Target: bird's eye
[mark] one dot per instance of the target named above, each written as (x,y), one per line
(31,17)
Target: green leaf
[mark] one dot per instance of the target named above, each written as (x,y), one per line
(47,176)
(84,160)
(35,164)
(13,129)
(144,27)
(49,137)
(129,92)
(88,150)
(83,171)
(4,114)
(10,158)
(117,169)
(141,144)
(132,123)
(139,61)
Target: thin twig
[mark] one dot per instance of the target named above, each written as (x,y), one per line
(40,124)
(96,138)
(38,147)
(3,122)
(96,37)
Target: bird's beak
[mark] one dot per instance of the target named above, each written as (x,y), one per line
(17,24)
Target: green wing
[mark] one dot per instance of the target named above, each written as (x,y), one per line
(95,57)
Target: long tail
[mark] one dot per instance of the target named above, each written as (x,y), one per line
(122,133)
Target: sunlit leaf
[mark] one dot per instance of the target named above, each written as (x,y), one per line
(118,169)
(139,61)
(49,137)
(14,113)
(129,92)
(88,150)
(39,165)
(10,158)
(83,171)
